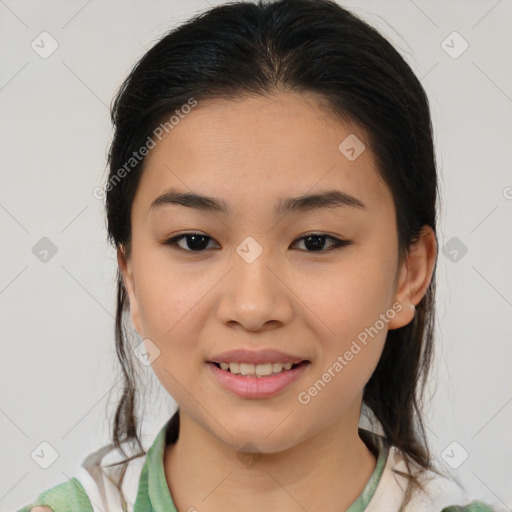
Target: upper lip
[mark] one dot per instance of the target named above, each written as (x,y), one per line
(256,357)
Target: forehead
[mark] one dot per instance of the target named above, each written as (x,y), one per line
(256,149)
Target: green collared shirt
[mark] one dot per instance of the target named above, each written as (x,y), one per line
(153,493)
(154,496)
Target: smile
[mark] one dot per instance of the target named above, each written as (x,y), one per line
(255,381)
(255,370)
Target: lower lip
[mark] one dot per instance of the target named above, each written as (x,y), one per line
(257,387)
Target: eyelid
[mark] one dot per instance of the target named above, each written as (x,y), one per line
(338,242)
(172,242)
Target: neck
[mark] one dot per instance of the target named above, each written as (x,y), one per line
(326,472)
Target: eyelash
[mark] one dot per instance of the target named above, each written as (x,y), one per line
(337,243)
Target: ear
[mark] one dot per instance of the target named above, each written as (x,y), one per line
(415,276)
(125,266)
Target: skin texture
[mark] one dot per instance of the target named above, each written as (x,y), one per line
(251,153)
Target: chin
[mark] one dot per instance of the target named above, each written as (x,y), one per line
(253,436)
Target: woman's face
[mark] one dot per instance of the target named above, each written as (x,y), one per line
(255,281)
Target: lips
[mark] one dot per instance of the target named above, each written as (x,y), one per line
(257,387)
(256,357)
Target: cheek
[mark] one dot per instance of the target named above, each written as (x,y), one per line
(175,305)
(352,312)
(167,301)
(357,305)
(166,292)
(170,304)
(352,344)
(350,297)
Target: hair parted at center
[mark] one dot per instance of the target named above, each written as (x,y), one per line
(262,48)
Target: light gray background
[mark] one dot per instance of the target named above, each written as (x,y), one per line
(57,355)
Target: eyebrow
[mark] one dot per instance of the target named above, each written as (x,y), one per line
(327,199)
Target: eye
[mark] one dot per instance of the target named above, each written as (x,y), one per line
(316,242)
(197,242)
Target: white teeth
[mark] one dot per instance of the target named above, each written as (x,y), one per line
(263,369)
(259,370)
(277,367)
(247,369)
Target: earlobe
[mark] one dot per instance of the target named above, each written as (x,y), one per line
(415,277)
(125,267)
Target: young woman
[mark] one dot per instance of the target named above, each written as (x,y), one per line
(272,198)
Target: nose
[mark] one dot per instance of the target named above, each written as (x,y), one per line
(255,295)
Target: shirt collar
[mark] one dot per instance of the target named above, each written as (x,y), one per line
(153,494)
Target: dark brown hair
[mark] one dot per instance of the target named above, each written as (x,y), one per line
(315,46)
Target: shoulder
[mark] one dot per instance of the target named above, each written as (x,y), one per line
(440,494)
(110,480)
(66,496)
(97,486)
(474,506)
